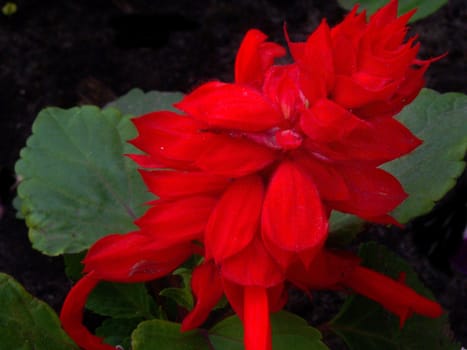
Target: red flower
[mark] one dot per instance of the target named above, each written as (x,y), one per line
(365,67)
(338,271)
(256,168)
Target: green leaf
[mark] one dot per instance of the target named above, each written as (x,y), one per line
(343,228)
(181,296)
(288,332)
(118,331)
(121,300)
(165,335)
(364,324)
(136,102)
(27,323)
(424,7)
(76,184)
(429,172)
(17,204)
(73,265)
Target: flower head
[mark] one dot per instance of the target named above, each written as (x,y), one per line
(256,166)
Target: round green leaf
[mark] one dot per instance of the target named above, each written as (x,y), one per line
(424,7)
(136,102)
(429,172)
(165,335)
(364,324)
(288,331)
(27,323)
(76,184)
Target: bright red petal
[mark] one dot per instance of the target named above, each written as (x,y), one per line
(283,258)
(254,57)
(377,142)
(149,162)
(297,49)
(392,64)
(206,285)
(393,295)
(174,184)
(327,178)
(177,221)
(406,93)
(327,121)
(282,87)
(169,138)
(235,220)
(277,297)
(373,192)
(385,140)
(293,216)
(231,106)
(315,61)
(385,14)
(360,89)
(319,55)
(133,258)
(253,266)
(234,157)
(345,41)
(71,315)
(256,319)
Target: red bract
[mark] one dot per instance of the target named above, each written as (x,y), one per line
(256,167)
(366,67)
(338,271)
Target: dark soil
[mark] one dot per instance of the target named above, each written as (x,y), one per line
(65,53)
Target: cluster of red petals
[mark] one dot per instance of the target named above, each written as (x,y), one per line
(256,167)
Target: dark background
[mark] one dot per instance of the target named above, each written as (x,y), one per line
(64,53)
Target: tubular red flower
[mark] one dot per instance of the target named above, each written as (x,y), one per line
(133,258)
(331,270)
(392,295)
(277,297)
(71,315)
(206,297)
(256,319)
